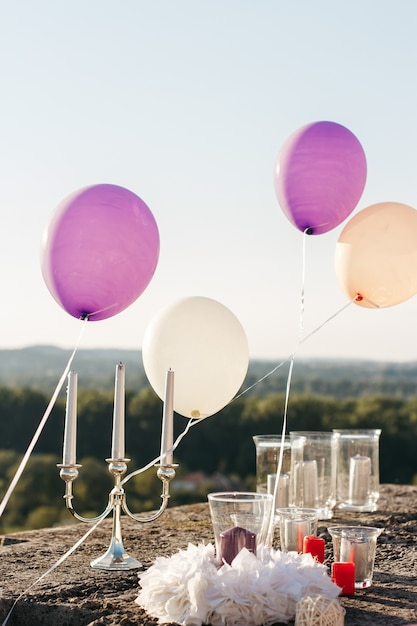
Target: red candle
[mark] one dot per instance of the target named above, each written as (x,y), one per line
(343,574)
(315,546)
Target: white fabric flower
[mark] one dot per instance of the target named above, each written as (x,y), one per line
(174,588)
(189,589)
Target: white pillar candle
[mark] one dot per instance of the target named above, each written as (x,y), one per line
(70,429)
(359,480)
(118,436)
(361,553)
(310,484)
(293,532)
(167,435)
(282,498)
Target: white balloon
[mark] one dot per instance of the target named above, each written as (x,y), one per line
(205,345)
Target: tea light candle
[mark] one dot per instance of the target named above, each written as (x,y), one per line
(315,546)
(343,575)
(310,483)
(233,540)
(359,479)
(282,498)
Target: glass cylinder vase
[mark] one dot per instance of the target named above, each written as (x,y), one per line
(313,471)
(358,469)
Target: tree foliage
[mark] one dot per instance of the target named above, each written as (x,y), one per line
(221,445)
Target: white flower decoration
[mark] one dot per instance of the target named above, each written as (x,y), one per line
(189,588)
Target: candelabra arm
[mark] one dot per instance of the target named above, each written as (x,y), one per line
(165,473)
(69,473)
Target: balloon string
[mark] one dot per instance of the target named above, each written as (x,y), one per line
(303,340)
(52,568)
(303,278)
(329,319)
(287,390)
(359,298)
(289,379)
(40,428)
(190,423)
(281,453)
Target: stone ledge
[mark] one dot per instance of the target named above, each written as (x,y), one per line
(76,595)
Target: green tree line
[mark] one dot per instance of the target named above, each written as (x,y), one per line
(219,445)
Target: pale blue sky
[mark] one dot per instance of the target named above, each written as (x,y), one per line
(187,103)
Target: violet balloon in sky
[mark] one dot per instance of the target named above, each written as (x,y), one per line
(99,251)
(320,175)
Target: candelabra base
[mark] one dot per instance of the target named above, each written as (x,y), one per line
(116,559)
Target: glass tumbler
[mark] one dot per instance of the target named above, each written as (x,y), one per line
(240,519)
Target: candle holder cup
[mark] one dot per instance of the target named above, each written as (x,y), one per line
(358,469)
(295,524)
(116,557)
(356,544)
(240,520)
(313,471)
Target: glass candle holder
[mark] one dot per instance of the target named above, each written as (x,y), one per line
(313,471)
(358,546)
(267,457)
(240,520)
(294,525)
(358,469)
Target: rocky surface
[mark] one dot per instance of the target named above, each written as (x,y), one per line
(74,594)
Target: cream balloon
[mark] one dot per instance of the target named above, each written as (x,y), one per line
(205,345)
(376,255)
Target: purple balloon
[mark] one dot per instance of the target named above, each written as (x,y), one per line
(320,175)
(100,251)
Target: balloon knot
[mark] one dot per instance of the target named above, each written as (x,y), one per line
(84,316)
(309,231)
(195,413)
(358,298)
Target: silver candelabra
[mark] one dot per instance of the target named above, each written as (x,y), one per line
(116,557)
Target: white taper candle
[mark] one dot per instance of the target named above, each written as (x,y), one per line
(167,435)
(359,479)
(70,429)
(282,495)
(310,483)
(118,436)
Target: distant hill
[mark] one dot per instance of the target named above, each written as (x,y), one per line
(41,367)
(339,378)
